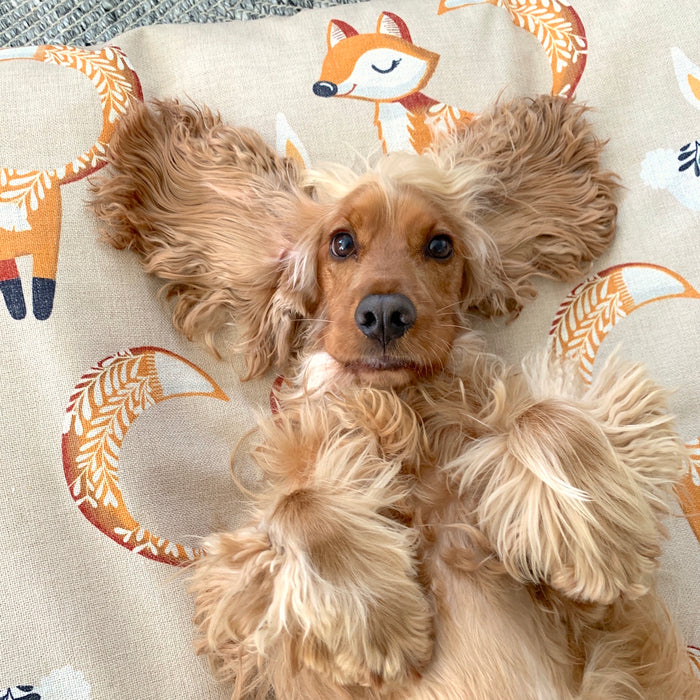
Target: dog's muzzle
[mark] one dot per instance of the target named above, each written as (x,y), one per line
(385,317)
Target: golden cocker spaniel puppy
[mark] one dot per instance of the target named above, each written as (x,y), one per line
(434,523)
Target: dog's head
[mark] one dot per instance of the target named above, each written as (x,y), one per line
(397,266)
(375,272)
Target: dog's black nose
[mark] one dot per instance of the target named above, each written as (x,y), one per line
(325,89)
(385,317)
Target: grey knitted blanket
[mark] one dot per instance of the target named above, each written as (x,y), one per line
(86,22)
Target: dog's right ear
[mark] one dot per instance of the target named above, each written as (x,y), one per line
(531,177)
(214,212)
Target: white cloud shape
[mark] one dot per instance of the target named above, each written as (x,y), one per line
(660,171)
(64,684)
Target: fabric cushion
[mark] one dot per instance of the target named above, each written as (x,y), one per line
(97,501)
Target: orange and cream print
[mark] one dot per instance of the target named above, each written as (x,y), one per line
(558,29)
(688,77)
(289,144)
(689,491)
(695,659)
(593,308)
(104,405)
(386,68)
(591,311)
(30,200)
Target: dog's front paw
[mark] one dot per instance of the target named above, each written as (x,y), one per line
(562,508)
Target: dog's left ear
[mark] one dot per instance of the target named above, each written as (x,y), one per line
(544,201)
(217,215)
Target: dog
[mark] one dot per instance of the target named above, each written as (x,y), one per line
(433,522)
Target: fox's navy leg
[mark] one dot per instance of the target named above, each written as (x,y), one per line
(11,288)
(43,290)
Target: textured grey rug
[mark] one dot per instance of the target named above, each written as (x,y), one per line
(85,22)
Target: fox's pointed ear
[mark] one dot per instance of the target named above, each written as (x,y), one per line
(219,216)
(543,199)
(337,31)
(688,76)
(389,23)
(289,144)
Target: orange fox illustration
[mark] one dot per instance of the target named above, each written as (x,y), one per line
(558,29)
(387,68)
(30,200)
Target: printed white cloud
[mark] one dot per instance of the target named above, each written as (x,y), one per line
(64,684)
(660,171)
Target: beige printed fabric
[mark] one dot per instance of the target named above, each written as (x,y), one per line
(106,484)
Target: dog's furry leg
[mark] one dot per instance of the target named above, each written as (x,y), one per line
(636,653)
(324,581)
(572,482)
(233,584)
(321,584)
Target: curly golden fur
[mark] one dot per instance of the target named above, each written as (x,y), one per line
(434,523)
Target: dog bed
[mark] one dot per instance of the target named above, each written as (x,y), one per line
(107,485)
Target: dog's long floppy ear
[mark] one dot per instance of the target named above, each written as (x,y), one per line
(214,212)
(545,200)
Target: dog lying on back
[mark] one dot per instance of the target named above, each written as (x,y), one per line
(434,523)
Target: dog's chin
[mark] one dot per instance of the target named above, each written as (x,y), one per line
(320,371)
(386,373)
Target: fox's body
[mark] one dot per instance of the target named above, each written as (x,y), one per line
(410,123)
(31,201)
(387,68)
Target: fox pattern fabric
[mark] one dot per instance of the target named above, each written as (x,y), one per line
(108,486)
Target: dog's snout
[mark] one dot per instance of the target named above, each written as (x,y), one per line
(324,88)
(385,317)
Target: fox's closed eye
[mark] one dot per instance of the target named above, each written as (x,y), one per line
(394,63)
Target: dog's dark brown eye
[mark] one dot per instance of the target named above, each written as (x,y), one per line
(342,244)
(439,247)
